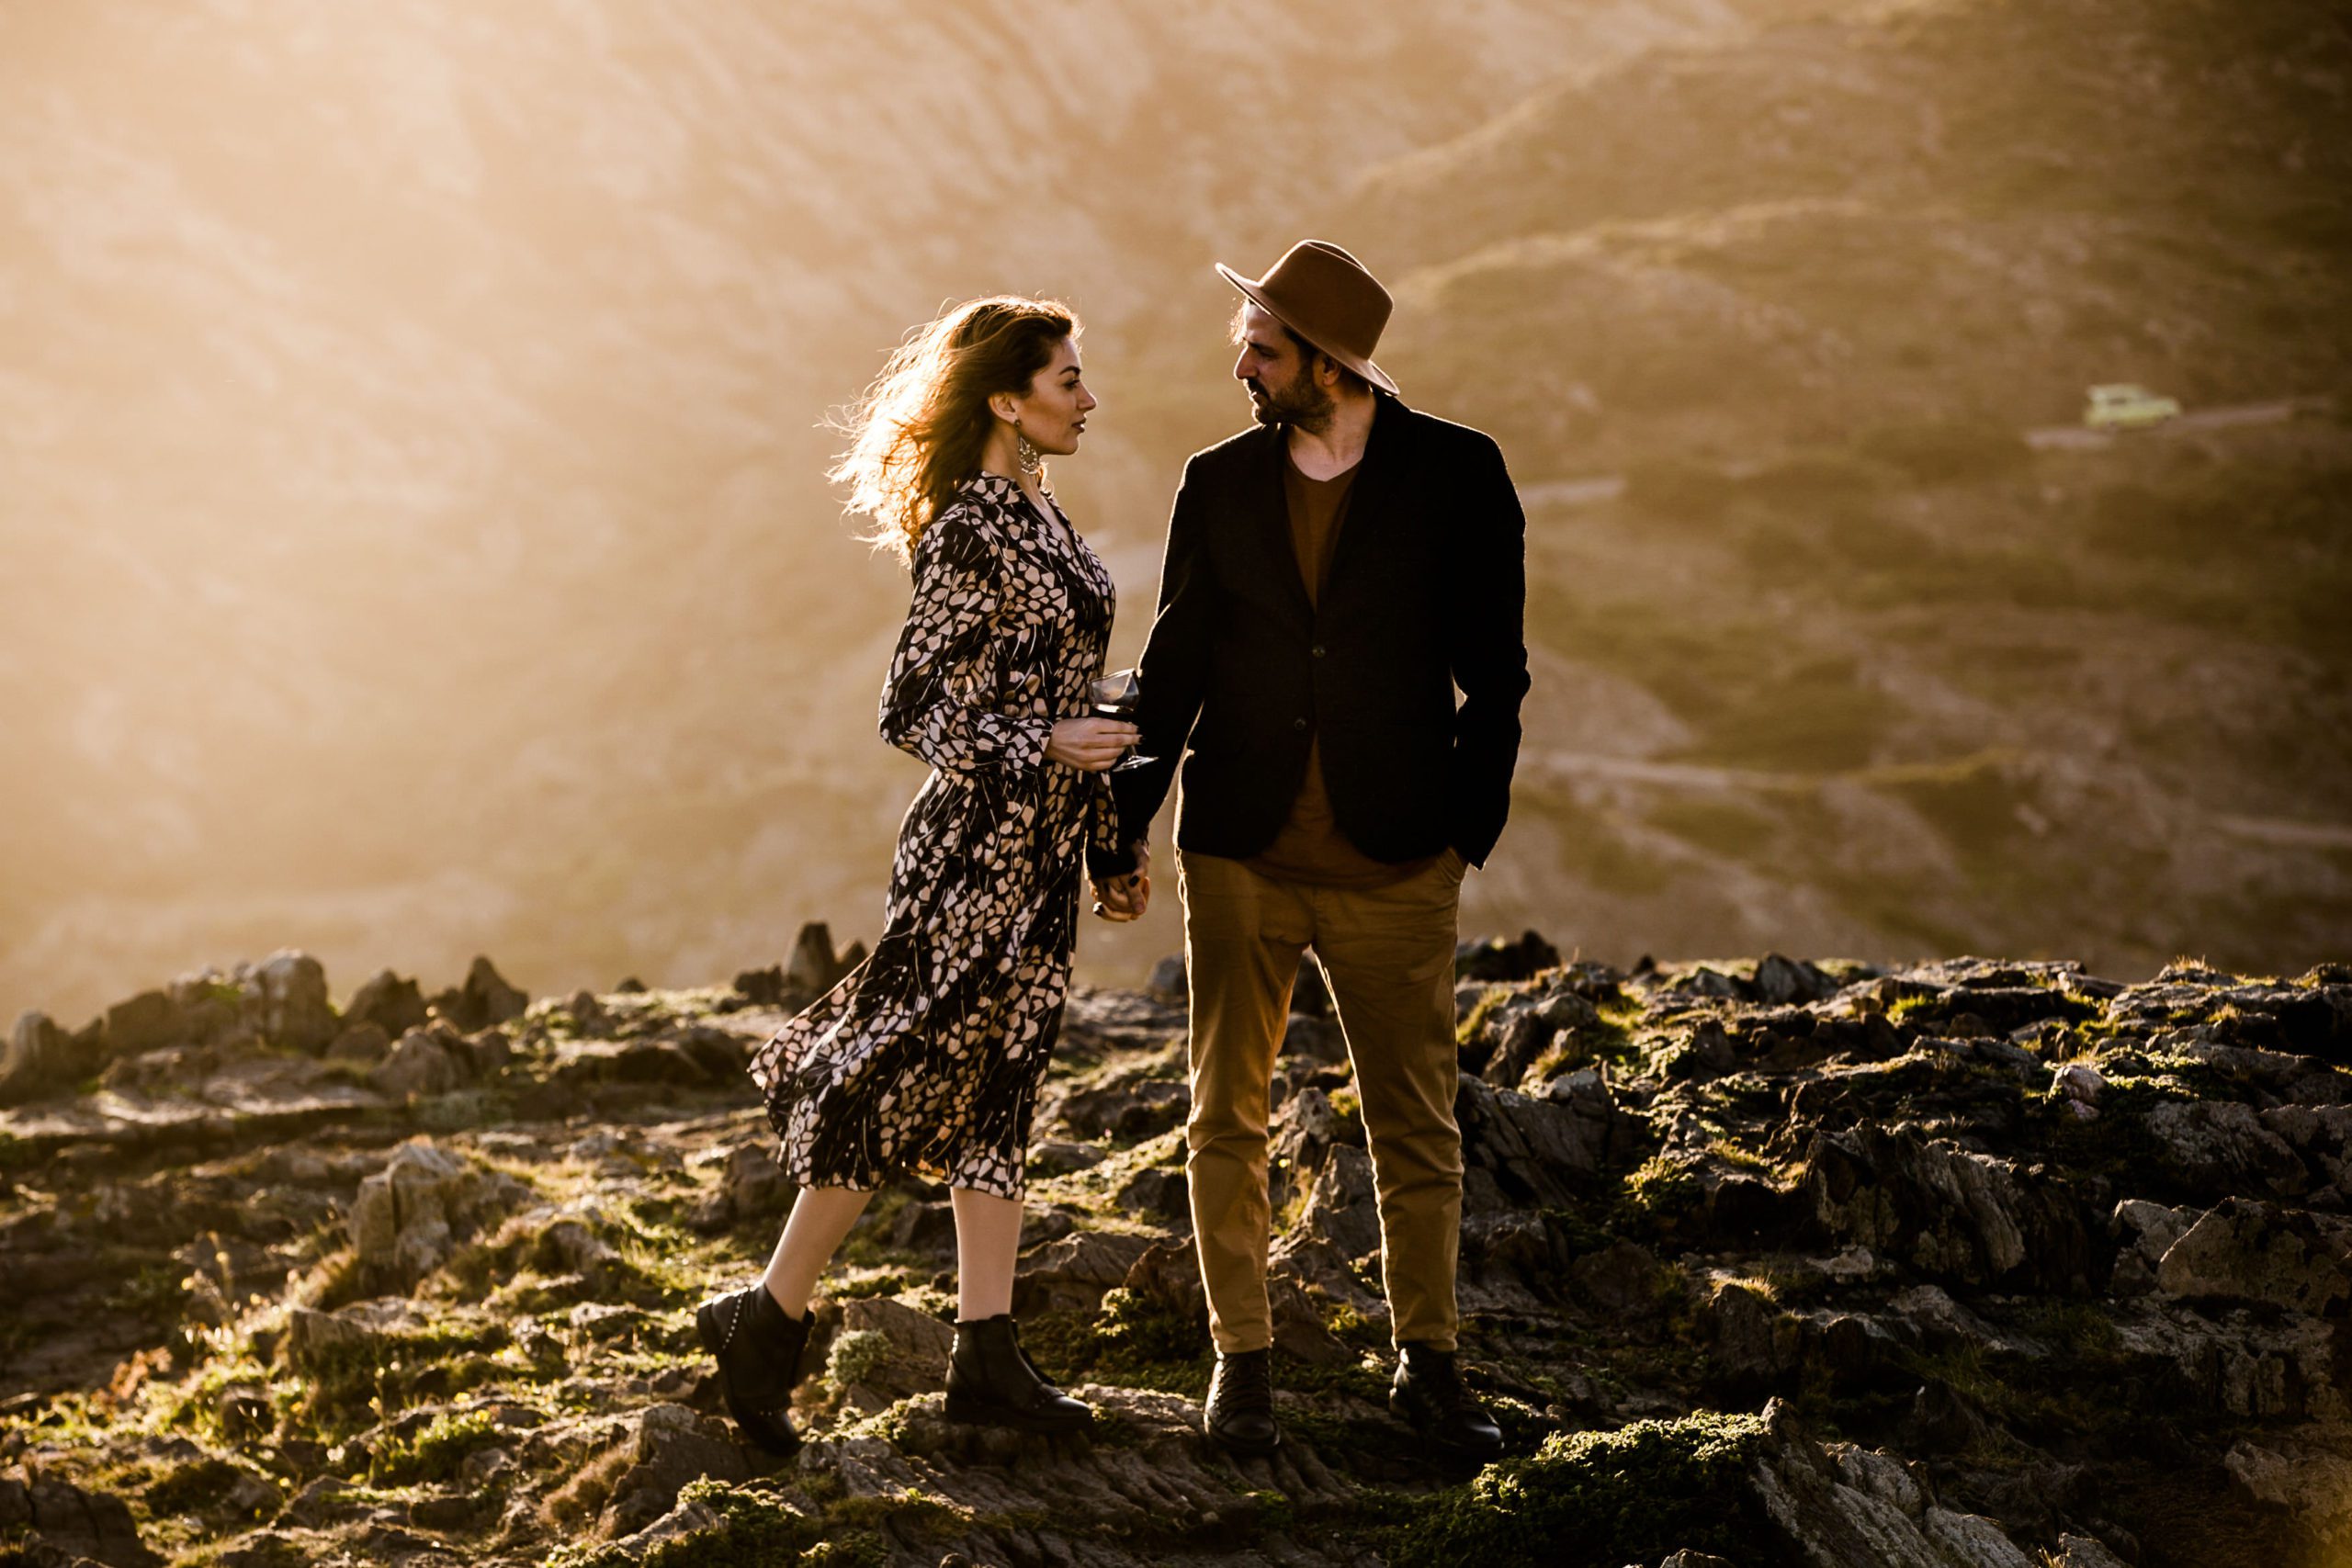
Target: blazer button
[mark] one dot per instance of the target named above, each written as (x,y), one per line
(1298,724)
(1318,650)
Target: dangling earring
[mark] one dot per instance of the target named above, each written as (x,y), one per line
(1025,453)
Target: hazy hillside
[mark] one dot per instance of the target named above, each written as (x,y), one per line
(408,461)
(1854,665)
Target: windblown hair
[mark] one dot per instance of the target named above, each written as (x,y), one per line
(918,431)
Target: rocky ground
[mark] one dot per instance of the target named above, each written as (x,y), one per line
(1976,1263)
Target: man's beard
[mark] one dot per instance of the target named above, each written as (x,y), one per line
(1302,403)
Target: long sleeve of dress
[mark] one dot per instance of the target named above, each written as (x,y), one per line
(940,702)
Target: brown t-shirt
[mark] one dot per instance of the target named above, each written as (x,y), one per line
(1311,847)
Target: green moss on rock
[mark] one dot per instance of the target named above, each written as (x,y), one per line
(434,1454)
(1599,1499)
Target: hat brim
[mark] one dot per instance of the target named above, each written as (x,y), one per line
(1362,367)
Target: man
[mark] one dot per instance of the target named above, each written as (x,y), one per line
(1333,575)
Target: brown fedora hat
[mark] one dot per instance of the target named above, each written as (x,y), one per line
(1325,295)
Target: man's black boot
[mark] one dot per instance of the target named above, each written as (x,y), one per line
(991,1381)
(758,1346)
(1429,1394)
(1240,1414)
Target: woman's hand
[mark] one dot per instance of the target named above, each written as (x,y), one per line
(1092,744)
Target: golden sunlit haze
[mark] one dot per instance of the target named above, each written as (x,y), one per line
(411,452)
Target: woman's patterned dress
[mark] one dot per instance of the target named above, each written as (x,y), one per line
(928,1056)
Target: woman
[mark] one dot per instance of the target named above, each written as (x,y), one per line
(927,1059)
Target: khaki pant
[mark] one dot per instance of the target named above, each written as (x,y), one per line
(1388,956)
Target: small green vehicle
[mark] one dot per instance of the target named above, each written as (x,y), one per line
(2122,406)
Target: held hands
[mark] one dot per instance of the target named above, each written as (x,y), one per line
(1092,744)
(1124,899)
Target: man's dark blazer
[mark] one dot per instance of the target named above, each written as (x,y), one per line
(1427,592)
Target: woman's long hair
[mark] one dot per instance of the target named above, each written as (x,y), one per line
(917,432)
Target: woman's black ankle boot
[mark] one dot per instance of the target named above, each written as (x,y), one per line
(992,1383)
(759,1347)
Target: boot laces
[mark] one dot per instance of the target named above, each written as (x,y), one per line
(1245,1381)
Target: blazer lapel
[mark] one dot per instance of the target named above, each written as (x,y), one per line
(1379,476)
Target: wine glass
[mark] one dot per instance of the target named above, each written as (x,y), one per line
(1117,695)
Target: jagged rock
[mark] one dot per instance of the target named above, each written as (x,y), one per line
(2246,1251)
(1167,982)
(1309,994)
(1943,1421)
(1949,1212)
(2217,1149)
(1301,1138)
(1129,1109)
(926,1227)
(1845,1506)
(419,1063)
(1060,1156)
(761,988)
(657,1062)
(163,1071)
(670,1446)
(2145,1231)
(2310,1483)
(592,1020)
(1705,1052)
(313,1337)
(1511,1263)
(408,1215)
(2079,1084)
(263,1549)
(1075,1270)
(1782,981)
(1934,1319)
(1495,959)
(390,1002)
(1622,1279)
(1158,1194)
(2245,1361)
(2081,1552)
(144,1022)
(324,1501)
(40,1057)
(1701,981)
(1156,1495)
(885,1351)
(295,1011)
(1749,1340)
(559,1241)
(43,1514)
(812,969)
(2321,1136)
(366,1043)
(485,1053)
(751,1186)
(484,999)
(1314,1038)
(691,1516)
(1342,1207)
(1541,1151)
(1694,1560)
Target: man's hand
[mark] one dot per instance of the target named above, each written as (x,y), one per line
(1122,899)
